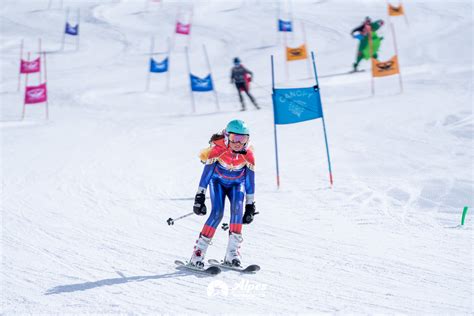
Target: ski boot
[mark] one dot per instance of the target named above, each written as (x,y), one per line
(354,67)
(232,256)
(197,259)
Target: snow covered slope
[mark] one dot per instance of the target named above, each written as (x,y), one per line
(85,196)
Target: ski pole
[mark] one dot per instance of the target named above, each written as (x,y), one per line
(171,221)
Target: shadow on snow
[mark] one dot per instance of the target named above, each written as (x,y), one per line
(68,288)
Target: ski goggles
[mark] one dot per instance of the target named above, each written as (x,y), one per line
(237,138)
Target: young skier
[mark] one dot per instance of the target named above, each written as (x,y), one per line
(229,172)
(241,76)
(362,33)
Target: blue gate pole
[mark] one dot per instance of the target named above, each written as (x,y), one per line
(324,124)
(274,127)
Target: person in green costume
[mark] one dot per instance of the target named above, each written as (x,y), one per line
(362,34)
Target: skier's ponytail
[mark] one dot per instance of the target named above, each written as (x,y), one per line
(215,137)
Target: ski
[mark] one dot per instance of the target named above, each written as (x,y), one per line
(355,71)
(350,72)
(212,270)
(248,269)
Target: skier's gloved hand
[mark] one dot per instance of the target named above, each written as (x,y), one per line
(199,206)
(250,212)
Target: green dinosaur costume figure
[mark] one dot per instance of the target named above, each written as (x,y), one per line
(362,34)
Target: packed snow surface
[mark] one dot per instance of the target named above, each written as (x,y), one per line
(86,194)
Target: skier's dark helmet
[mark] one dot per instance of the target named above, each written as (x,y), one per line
(236,61)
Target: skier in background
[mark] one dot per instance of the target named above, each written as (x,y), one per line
(229,172)
(362,33)
(241,76)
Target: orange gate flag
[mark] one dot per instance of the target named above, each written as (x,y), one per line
(387,68)
(395,11)
(297,53)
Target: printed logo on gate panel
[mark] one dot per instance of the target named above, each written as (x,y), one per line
(385,66)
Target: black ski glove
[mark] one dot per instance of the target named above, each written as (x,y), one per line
(250,212)
(199,206)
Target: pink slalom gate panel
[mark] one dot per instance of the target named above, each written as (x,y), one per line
(183,28)
(36,94)
(28,67)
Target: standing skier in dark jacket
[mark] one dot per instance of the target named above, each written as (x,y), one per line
(241,76)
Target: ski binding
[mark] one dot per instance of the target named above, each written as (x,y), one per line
(220,264)
(212,270)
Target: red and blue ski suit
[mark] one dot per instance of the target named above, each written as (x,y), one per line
(228,174)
